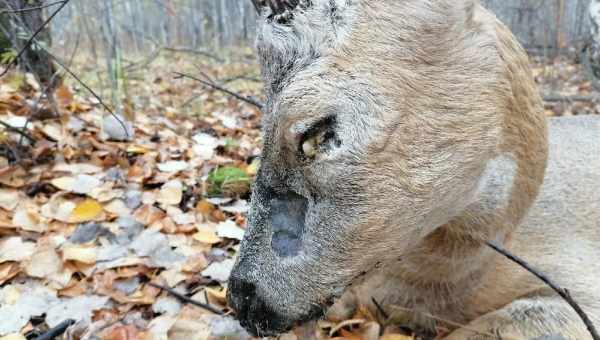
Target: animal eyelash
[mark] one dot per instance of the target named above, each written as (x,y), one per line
(315,136)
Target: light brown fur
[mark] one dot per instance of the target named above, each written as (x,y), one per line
(442,145)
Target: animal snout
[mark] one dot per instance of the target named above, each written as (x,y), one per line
(253,312)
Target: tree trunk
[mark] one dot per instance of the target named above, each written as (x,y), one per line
(20,26)
(595,28)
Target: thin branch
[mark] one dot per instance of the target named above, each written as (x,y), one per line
(31,9)
(561,291)
(186,299)
(68,70)
(380,309)
(192,51)
(19,131)
(222,89)
(56,331)
(32,38)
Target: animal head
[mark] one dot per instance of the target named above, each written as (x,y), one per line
(380,121)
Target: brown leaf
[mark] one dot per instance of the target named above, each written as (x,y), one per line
(148,214)
(8,271)
(128,332)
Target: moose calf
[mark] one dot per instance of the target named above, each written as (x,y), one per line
(399,137)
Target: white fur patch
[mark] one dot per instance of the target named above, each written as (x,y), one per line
(496,183)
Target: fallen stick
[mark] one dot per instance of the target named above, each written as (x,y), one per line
(186,299)
(222,89)
(56,331)
(19,131)
(561,291)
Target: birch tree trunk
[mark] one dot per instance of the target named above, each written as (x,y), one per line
(591,54)
(595,27)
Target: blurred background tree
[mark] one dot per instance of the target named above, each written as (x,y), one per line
(19,20)
(117,38)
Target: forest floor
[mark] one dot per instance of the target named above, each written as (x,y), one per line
(89,226)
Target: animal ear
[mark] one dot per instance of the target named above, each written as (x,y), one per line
(279,8)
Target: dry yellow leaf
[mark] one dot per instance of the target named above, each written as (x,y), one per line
(86,211)
(206,236)
(137,149)
(79,253)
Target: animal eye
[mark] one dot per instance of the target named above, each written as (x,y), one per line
(319,138)
(309,147)
(312,146)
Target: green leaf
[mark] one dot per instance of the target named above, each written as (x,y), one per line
(228,181)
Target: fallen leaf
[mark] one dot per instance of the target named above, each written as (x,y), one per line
(32,300)
(128,332)
(77,168)
(27,217)
(80,184)
(219,271)
(85,211)
(160,327)
(229,229)
(78,308)
(13,249)
(148,214)
(166,305)
(8,270)
(238,207)
(9,199)
(173,166)
(118,207)
(170,193)
(43,263)
(207,236)
(80,253)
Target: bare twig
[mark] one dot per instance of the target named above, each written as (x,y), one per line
(222,89)
(561,291)
(192,51)
(32,38)
(56,331)
(380,309)
(186,299)
(30,9)
(68,70)
(19,131)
